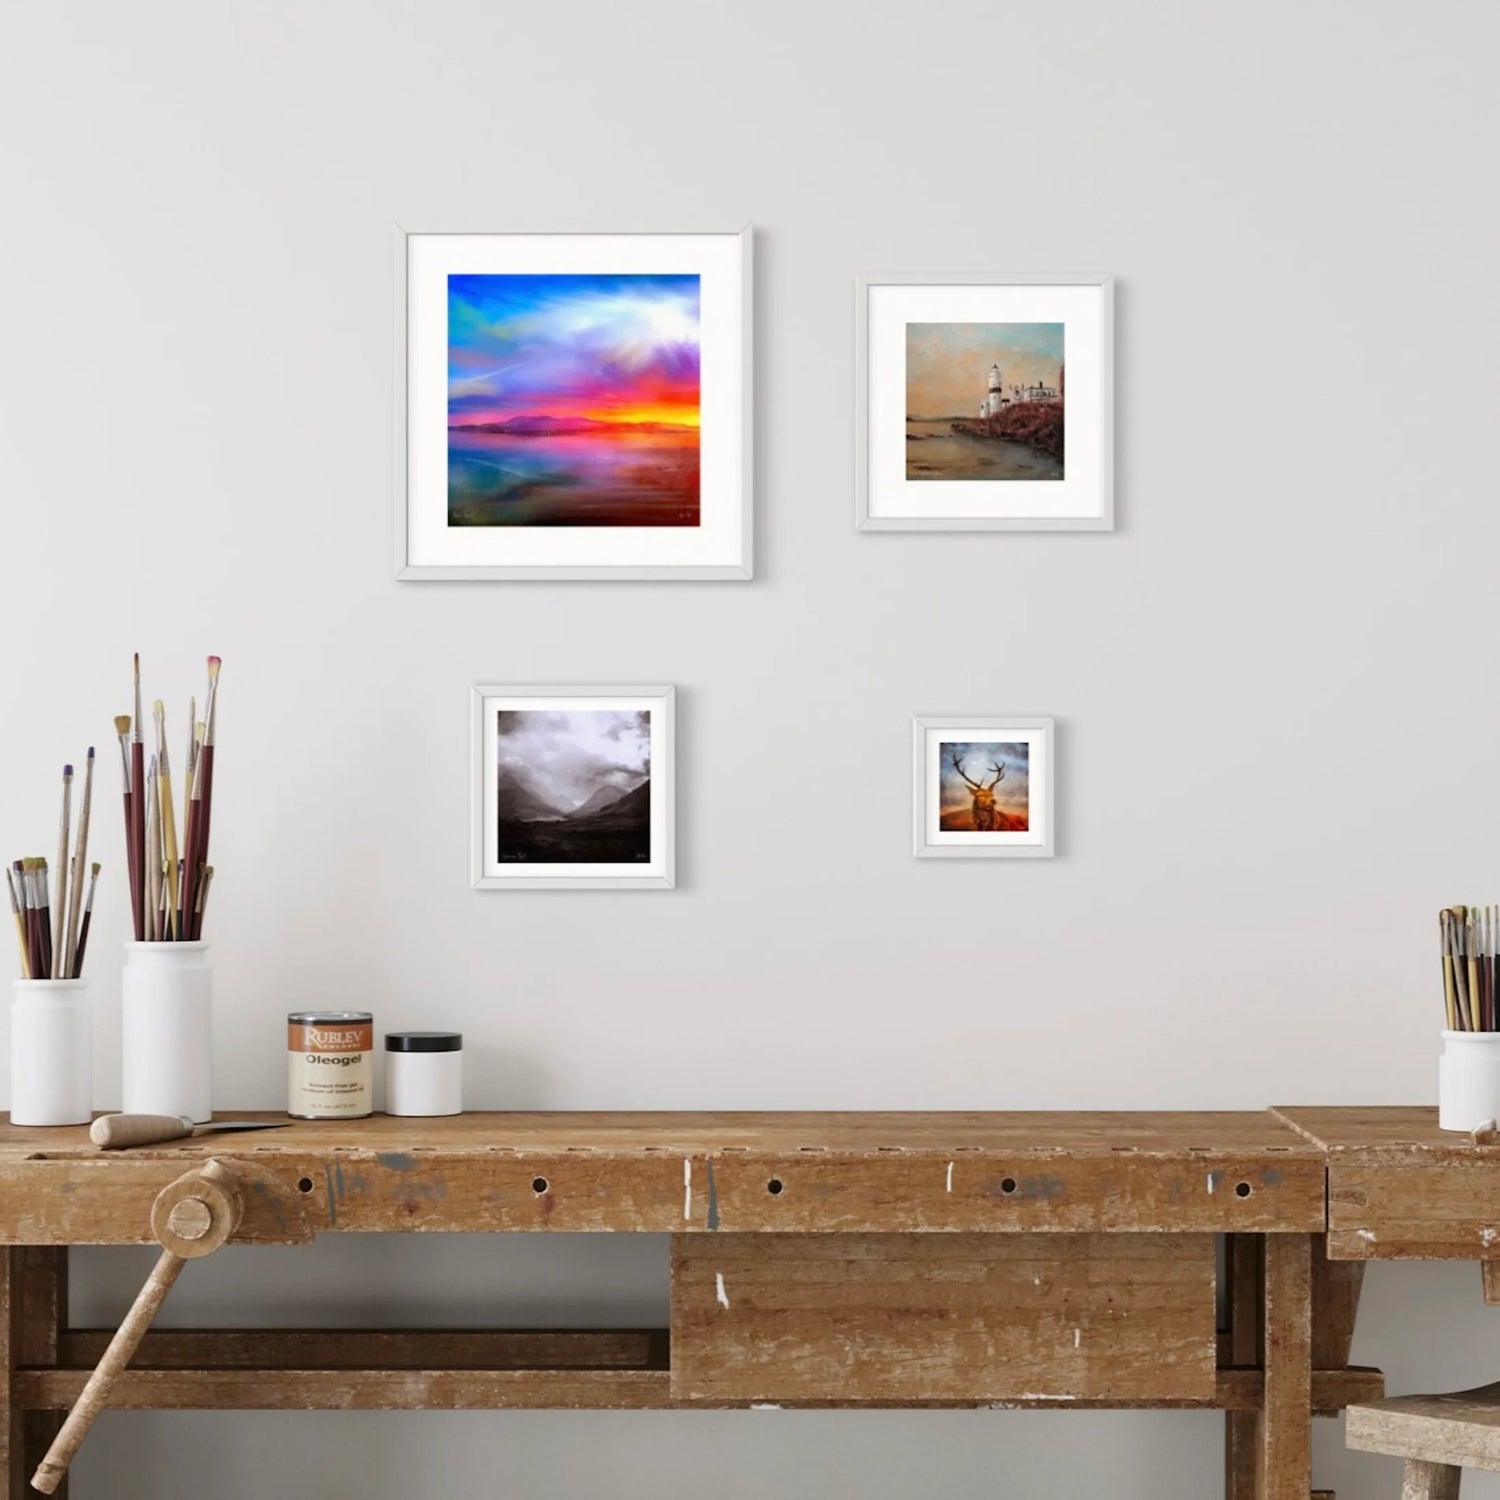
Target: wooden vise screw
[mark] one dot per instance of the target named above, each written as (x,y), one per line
(191,1217)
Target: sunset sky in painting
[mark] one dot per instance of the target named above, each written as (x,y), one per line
(610,348)
(948,364)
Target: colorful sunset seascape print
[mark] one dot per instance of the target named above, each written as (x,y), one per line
(983,787)
(573,400)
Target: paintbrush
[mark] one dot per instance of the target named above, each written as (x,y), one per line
(43,916)
(138,809)
(1460,969)
(1450,994)
(1472,957)
(168,814)
(205,777)
(64,839)
(80,860)
(1476,952)
(153,853)
(122,729)
(208,880)
(189,820)
(20,921)
(21,871)
(88,916)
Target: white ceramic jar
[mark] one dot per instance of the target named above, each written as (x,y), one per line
(51,1053)
(424,1073)
(166,1030)
(1469,1079)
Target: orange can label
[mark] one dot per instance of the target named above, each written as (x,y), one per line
(343,1036)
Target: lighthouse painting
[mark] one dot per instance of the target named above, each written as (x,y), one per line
(573,400)
(985,401)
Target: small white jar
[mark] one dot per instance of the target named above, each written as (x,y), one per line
(51,1057)
(424,1073)
(1469,1079)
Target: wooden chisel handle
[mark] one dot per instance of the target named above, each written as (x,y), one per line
(114,1131)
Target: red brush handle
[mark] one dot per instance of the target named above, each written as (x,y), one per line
(138,836)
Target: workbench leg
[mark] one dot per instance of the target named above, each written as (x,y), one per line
(1243,1284)
(33,1315)
(1425,1481)
(1336,1287)
(1284,1456)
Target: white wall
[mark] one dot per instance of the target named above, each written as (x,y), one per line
(1276,755)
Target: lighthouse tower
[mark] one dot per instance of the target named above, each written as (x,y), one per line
(996,398)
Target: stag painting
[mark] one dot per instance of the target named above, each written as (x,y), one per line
(985,788)
(986,813)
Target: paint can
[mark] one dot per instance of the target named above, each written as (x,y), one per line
(330,1064)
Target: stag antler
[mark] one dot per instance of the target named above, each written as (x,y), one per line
(999,775)
(958,766)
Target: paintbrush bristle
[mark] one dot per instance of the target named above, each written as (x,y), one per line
(95,868)
(67,771)
(214,663)
(122,723)
(158,709)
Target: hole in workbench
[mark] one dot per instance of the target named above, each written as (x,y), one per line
(538,1184)
(1007,1184)
(773,1186)
(304,1184)
(1242,1189)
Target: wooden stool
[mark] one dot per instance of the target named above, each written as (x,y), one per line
(1438,1436)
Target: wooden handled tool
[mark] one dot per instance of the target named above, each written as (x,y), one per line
(191,1217)
(116,1131)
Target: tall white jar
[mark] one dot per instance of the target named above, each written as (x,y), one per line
(166,1030)
(1468,1079)
(51,1053)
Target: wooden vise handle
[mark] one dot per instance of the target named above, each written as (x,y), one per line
(191,1217)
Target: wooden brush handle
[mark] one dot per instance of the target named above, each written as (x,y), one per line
(115,1131)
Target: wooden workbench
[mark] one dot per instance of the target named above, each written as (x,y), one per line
(1008,1260)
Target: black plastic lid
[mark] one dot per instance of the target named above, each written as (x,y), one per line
(424,1041)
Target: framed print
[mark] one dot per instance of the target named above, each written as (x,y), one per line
(982,787)
(573,405)
(573,788)
(984,403)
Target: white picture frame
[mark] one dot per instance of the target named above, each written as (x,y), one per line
(983,733)
(1078,493)
(721,543)
(554,768)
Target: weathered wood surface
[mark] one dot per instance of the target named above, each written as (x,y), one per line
(373,1348)
(409,1383)
(1489,1281)
(685,1132)
(1065,1173)
(33,1303)
(963,1317)
(1242,1348)
(1284,1468)
(374,1390)
(1424,1481)
(1461,1428)
(1336,1285)
(1399,1188)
